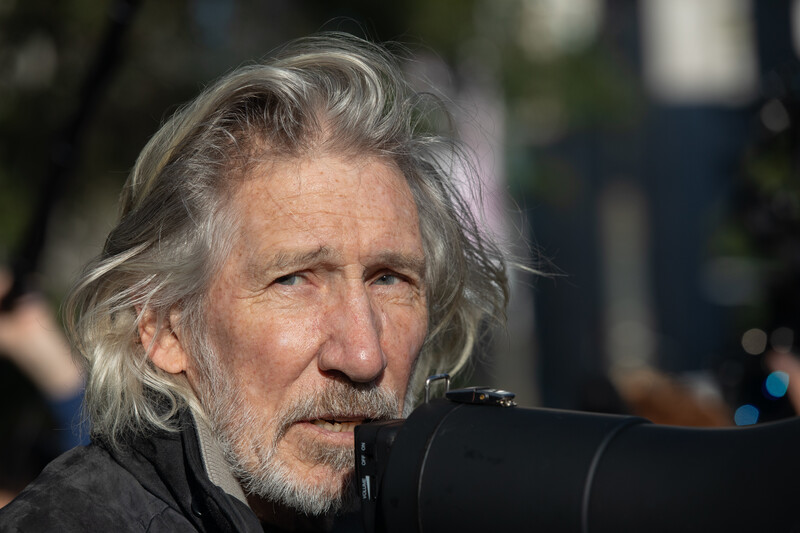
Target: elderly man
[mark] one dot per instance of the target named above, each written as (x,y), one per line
(292,256)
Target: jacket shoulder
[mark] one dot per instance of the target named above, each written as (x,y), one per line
(87,490)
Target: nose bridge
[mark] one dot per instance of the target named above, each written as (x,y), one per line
(356,350)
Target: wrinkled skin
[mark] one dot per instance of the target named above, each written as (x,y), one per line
(325,282)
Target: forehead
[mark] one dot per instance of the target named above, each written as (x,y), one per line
(322,199)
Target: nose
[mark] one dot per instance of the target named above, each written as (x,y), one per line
(354,347)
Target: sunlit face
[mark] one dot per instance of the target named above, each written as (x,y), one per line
(324,288)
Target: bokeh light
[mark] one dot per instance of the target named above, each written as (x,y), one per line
(776,384)
(746,415)
(774,116)
(782,339)
(754,341)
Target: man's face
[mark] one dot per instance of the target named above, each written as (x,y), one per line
(316,319)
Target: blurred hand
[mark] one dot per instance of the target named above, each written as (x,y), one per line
(33,340)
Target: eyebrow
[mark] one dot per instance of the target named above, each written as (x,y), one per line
(289,261)
(292,260)
(408,263)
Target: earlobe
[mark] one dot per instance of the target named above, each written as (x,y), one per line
(162,342)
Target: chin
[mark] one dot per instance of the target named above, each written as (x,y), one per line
(310,478)
(319,491)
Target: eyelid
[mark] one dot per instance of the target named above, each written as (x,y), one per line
(393,273)
(380,278)
(279,280)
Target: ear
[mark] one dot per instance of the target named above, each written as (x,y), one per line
(162,342)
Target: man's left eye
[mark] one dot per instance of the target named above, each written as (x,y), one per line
(290,279)
(387,279)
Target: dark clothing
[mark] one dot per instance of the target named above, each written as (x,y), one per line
(73,430)
(160,482)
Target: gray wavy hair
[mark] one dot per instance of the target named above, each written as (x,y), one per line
(331,91)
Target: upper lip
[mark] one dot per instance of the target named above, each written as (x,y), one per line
(340,418)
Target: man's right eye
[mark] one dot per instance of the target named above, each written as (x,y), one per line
(289,279)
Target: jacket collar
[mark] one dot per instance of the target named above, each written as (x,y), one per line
(216,467)
(186,470)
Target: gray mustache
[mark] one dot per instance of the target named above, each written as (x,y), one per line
(339,400)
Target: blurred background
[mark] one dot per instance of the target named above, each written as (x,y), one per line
(646,151)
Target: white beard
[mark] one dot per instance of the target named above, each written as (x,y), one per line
(250,442)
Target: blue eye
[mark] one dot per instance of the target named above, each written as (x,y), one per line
(289,280)
(387,279)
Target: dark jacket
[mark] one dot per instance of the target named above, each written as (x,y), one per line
(161,482)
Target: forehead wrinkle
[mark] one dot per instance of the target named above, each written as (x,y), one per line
(284,204)
(292,167)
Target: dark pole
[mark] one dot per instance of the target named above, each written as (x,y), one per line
(66,149)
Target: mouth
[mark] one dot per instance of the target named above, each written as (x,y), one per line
(338,425)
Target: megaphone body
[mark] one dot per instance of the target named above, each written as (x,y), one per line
(462,467)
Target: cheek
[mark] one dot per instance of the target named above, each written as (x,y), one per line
(265,351)
(402,343)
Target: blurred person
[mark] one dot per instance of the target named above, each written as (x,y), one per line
(293,257)
(31,337)
(671,400)
(34,343)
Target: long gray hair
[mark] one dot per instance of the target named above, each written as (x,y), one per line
(330,91)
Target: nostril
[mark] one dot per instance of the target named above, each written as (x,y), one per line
(354,366)
(359,385)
